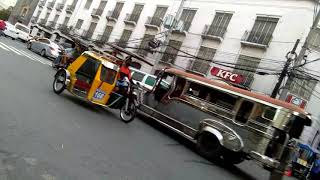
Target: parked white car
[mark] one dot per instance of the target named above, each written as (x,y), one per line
(10,31)
(24,32)
(45,47)
(144,79)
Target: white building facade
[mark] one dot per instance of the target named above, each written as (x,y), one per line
(248,38)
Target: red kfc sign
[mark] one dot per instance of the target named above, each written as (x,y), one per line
(227,75)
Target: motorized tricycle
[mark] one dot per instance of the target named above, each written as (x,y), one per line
(93,78)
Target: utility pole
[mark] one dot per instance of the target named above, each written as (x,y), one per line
(285,69)
(168,34)
(303,50)
(310,36)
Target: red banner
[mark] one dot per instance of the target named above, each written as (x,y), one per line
(227,75)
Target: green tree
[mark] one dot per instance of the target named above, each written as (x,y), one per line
(4,14)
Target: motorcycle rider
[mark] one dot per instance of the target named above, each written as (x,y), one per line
(124,76)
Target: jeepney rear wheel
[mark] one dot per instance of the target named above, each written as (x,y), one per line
(209,146)
(232,157)
(59,82)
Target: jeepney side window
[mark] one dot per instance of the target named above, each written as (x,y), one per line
(179,87)
(222,99)
(197,90)
(108,75)
(244,111)
(161,88)
(264,114)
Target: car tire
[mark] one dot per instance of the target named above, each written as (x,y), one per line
(43,53)
(232,157)
(209,146)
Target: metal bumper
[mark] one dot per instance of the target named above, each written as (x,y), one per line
(265,160)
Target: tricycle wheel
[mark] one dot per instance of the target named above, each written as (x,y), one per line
(128,115)
(59,82)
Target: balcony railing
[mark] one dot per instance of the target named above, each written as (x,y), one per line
(59,6)
(113,15)
(51,25)
(50,5)
(214,32)
(42,22)
(96,13)
(70,8)
(34,20)
(256,39)
(86,34)
(41,3)
(121,43)
(154,22)
(64,28)
(132,18)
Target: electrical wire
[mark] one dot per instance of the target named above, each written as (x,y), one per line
(224,64)
(308,90)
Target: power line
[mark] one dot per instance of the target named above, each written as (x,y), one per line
(224,64)
(310,91)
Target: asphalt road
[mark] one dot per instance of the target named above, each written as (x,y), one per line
(49,137)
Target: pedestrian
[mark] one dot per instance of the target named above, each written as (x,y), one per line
(2,27)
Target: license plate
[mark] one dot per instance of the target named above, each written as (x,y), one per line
(99,94)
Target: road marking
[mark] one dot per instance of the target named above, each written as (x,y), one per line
(4,48)
(31,57)
(11,49)
(22,53)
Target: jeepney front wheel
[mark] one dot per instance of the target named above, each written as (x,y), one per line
(232,157)
(59,82)
(209,146)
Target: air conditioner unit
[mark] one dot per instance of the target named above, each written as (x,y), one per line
(168,21)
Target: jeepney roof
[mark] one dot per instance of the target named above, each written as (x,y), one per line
(258,96)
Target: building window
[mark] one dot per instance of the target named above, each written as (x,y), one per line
(201,65)
(158,15)
(124,38)
(56,18)
(219,24)
(117,10)
(88,4)
(145,44)
(91,30)
(246,66)
(136,12)
(106,34)
(66,20)
(24,11)
(79,24)
(171,51)
(47,16)
(187,18)
(302,86)
(262,30)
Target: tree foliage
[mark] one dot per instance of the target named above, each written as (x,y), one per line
(4,14)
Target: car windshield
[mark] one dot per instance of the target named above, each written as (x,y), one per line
(22,28)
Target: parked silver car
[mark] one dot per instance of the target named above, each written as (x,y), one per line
(45,47)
